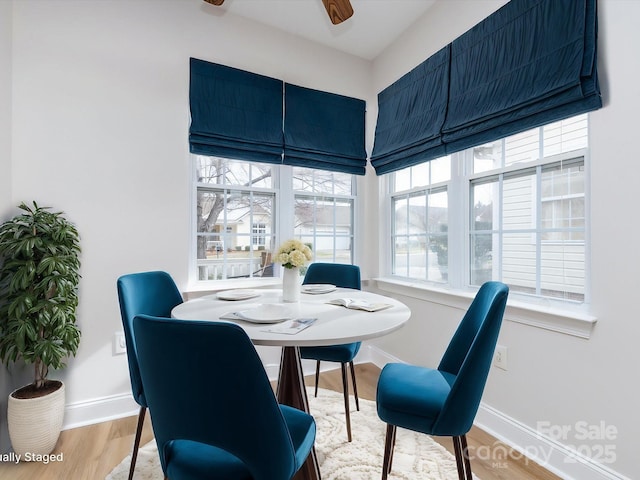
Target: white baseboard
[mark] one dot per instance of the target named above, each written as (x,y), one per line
(567,463)
(99,410)
(552,455)
(543,450)
(109,408)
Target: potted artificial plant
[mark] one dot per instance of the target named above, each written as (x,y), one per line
(39,276)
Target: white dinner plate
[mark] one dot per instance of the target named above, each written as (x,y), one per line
(316,288)
(266,313)
(238,294)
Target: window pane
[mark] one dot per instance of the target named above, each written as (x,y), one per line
(322,181)
(417,256)
(326,225)
(522,147)
(424,174)
(563,212)
(440,169)
(566,135)
(221,171)
(302,179)
(342,183)
(417,214)
(563,272)
(401,180)
(210,169)
(235,228)
(483,196)
(482,247)
(487,157)
(420,235)
(438,212)
(400,216)
(519,261)
(261,175)
(438,227)
(420,175)
(400,253)
(518,201)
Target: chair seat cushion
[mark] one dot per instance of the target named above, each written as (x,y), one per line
(412,397)
(189,460)
(343,353)
(302,428)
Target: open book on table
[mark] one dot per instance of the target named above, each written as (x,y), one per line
(358,304)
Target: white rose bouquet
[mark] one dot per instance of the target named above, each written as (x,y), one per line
(292,254)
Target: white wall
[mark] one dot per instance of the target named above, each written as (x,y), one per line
(5,108)
(553,377)
(5,170)
(100,126)
(99,129)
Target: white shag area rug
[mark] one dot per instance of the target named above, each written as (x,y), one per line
(416,456)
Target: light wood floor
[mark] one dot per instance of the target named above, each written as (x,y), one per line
(92,452)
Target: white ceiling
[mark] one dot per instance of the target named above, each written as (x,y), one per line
(374,24)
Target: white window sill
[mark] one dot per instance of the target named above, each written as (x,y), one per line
(566,319)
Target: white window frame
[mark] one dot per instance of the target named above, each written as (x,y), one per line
(556,315)
(284,204)
(535,166)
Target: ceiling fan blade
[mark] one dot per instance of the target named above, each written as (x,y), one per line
(215,2)
(338,10)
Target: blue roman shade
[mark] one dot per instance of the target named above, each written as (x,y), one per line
(324,130)
(234,113)
(411,113)
(530,63)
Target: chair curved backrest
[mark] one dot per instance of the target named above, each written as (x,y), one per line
(152,293)
(338,274)
(468,359)
(225,400)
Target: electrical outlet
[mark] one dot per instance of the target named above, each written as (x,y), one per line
(119,343)
(500,357)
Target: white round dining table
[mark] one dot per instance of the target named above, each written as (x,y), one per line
(333,325)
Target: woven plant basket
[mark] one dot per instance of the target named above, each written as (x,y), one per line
(35,423)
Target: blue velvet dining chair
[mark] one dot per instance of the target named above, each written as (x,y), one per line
(444,401)
(344,276)
(152,293)
(212,407)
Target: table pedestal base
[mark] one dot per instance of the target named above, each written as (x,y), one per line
(292,391)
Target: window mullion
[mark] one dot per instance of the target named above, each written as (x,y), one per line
(538,199)
(459,219)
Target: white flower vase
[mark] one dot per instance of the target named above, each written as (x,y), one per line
(291,285)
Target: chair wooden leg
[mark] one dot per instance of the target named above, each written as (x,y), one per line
(355,388)
(393,448)
(462,457)
(465,454)
(389,443)
(345,389)
(317,377)
(136,441)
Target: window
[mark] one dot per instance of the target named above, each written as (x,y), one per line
(259,230)
(420,206)
(235,211)
(238,203)
(324,210)
(525,205)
